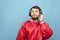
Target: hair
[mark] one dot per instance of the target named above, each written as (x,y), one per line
(36,7)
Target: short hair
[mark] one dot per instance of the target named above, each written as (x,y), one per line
(36,7)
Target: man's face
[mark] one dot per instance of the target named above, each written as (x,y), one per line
(35,13)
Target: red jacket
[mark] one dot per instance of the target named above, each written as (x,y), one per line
(34,31)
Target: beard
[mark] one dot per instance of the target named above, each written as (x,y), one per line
(35,18)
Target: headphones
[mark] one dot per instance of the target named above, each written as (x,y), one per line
(36,8)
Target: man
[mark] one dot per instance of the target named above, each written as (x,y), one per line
(35,28)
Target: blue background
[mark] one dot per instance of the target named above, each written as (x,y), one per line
(14,12)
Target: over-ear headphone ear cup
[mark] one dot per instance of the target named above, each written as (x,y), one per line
(41,11)
(29,13)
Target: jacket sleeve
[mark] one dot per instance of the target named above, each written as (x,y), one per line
(46,30)
(21,33)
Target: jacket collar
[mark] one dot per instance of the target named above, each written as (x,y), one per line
(34,21)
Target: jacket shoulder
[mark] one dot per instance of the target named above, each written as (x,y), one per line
(26,22)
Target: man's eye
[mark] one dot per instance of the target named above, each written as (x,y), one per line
(32,11)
